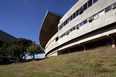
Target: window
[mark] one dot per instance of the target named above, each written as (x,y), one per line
(60,27)
(95,1)
(77,27)
(68,20)
(63,24)
(70,17)
(73,28)
(56,39)
(62,35)
(76,13)
(81,24)
(90,19)
(85,6)
(89,3)
(114,5)
(85,21)
(80,11)
(108,9)
(101,13)
(66,33)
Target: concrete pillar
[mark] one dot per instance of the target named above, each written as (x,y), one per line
(84,47)
(113,41)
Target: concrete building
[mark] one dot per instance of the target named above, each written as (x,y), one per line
(4,37)
(88,24)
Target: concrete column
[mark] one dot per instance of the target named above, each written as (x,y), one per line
(113,41)
(84,47)
(57,51)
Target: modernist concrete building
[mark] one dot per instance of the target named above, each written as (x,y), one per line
(88,24)
(4,37)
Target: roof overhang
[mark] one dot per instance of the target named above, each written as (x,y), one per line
(4,37)
(49,27)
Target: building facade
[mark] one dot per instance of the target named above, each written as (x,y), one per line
(4,37)
(88,24)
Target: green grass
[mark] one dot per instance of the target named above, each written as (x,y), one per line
(100,62)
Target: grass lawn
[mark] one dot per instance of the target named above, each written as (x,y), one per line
(100,62)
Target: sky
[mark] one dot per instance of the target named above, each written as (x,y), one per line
(23,18)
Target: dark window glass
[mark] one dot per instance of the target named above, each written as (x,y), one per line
(80,11)
(56,38)
(63,24)
(70,17)
(76,13)
(114,5)
(77,27)
(90,19)
(63,34)
(108,9)
(81,24)
(66,33)
(60,27)
(89,3)
(67,21)
(73,28)
(84,22)
(95,1)
(85,6)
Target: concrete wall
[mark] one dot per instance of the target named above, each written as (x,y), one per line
(51,44)
(88,32)
(72,10)
(54,53)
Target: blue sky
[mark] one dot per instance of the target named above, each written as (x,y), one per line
(23,18)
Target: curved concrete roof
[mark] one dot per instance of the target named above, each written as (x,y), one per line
(49,27)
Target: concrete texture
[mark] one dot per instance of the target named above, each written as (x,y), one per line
(100,28)
(48,28)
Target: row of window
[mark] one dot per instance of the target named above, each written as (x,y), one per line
(90,19)
(78,12)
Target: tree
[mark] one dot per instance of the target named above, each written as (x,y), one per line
(34,49)
(16,47)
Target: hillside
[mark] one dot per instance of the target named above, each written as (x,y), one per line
(100,62)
